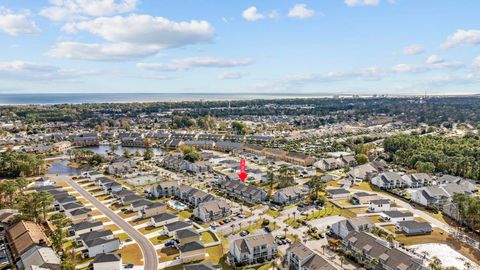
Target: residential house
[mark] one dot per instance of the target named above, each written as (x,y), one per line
(413,227)
(165,189)
(85,227)
(227,146)
(299,159)
(212,210)
(417,180)
(396,216)
(42,182)
(193,196)
(129,199)
(439,195)
(389,180)
(61,146)
(163,219)
(192,252)
(153,209)
(240,191)
(300,257)
(345,227)
(79,215)
(289,195)
(39,256)
(371,247)
(328,164)
(252,249)
(338,193)
(24,235)
(71,206)
(362,197)
(348,161)
(87,139)
(107,261)
(98,242)
(186,236)
(379,205)
(170,228)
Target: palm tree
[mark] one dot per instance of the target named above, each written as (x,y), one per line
(390,238)
(342,260)
(323,248)
(435,263)
(232,226)
(285,230)
(44,200)
(271,182)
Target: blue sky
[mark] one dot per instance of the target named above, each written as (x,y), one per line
(317,46)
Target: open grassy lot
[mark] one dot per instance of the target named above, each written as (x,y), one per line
(127,214)
(329,210)
(208,237)
(122,237)
(103,219)
(112,227)
(131,254)
(139,221)
(182,215)
(375,219)
(272,213)
(167,254)
(150,229)
(160,239)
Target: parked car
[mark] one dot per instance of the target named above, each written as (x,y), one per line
(128,265)
(170,243)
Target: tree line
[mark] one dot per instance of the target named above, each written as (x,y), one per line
(436,154)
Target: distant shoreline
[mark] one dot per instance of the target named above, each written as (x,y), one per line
(85,98)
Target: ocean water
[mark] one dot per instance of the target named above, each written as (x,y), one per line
(77,98)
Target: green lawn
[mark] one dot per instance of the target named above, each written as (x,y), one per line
(184,214)
(273,213)
(208,237)
(160,239)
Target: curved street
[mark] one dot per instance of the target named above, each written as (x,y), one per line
(150,259)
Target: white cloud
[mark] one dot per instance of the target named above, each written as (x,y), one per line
(133,36)
(146,30)
(462,37)
(251,14)
(413,49)
(434,59)
(476,62)
(16,23)
(101,52)
(354,3)
(80,9)
(301,11)
(181,64)
(232,75)
(407,68)
(21,70)
(440,65)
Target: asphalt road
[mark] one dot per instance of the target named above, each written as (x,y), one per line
(150,258)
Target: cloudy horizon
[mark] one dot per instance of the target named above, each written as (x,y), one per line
(341,46)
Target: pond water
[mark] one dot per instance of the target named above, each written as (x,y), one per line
(62,168)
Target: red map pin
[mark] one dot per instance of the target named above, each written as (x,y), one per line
(243,175)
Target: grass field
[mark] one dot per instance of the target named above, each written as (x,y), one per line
(131,254)
(208,237)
